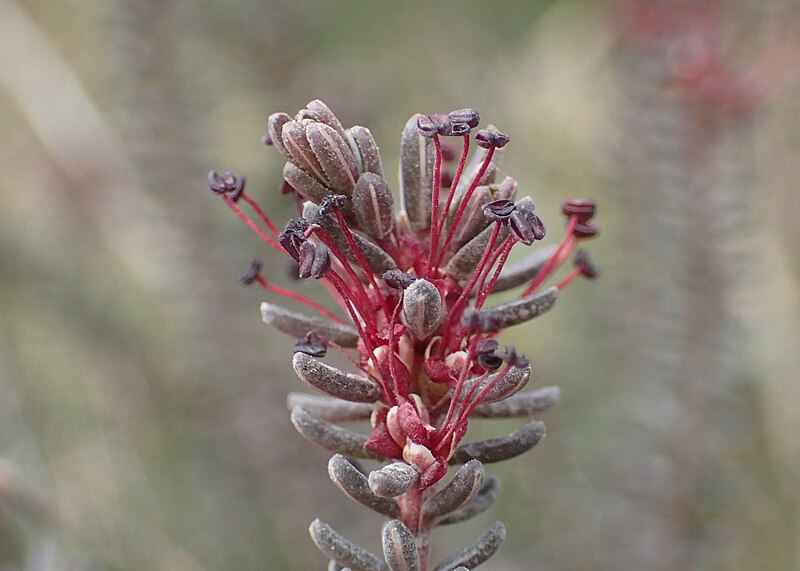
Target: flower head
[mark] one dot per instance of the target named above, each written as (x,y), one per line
(412,284)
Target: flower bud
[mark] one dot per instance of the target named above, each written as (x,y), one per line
(275,125)
(318,111)
(334,156)
(366,149)
(422,308)
(308,187)
(294,139)
(373,205)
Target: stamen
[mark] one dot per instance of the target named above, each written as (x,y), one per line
(453,185)
(261,214)
(555,261)
(503,253)
(437,184)
(289,294)
(357,288)
(392,345)
(460,383)
(337,282)
(252,225)
(455,310)
(583,266)
(364,266)
(470,408)
(464,201)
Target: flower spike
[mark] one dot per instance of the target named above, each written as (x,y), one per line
(419,332)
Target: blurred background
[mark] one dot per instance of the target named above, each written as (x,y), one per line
(142,416)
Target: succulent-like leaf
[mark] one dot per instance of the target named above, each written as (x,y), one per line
(399,547)
(417,157)
(514,380)
(342,550)
(332,410)
(462,265)
(483,500)
(354,484)
(299,325)
(501,448)
(373,205)
(366,149)
(473,220)
(475,554)
(422,308)
(393,479)
(524,309)
(518,273)
(464,485)
(520,404)
(333,381)
(329,436)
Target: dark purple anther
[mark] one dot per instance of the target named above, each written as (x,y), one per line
(498,210)
(479,321)
(293,236)
(585,231)
(314,260)
(526,224)
(227,184)
(305,259)
(470,117)
(584,262)
(491,139)
(398,279)
(427,126)
(583,209)
(322,262)
(286,188)
(311,345)
(451,129)
(489,361)
(251,274)
(486,346)
(332,203)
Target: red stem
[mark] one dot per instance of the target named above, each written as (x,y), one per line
(553,262)
(437,183)
(253,226)
(501,253)
(261,214)
(298,298)
(361,260)
(464,201)
(454,185)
